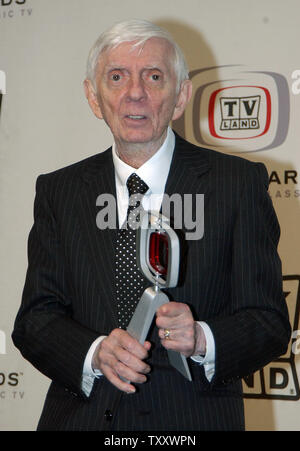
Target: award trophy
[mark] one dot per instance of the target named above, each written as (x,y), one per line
(158,254)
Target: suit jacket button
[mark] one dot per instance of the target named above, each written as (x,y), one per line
(108,415)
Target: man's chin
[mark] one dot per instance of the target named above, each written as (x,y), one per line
(142,137)
(137,138)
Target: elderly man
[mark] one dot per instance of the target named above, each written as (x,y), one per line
(227,316)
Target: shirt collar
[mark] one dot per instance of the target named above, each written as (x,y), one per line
(154,171)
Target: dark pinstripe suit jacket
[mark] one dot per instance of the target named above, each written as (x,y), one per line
(231,279)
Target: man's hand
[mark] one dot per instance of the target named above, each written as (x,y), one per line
(185,334)
(120,355)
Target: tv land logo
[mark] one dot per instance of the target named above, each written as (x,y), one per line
(279,379)
(239,113)
(236,109)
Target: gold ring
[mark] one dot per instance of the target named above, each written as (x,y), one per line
(167,334)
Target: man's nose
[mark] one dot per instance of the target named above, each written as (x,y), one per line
(136,89)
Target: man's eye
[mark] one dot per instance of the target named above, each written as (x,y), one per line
(155,77)
(116,77)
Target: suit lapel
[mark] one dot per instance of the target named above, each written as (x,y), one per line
(189,175)
(189,163)
(189,171)
(98,178)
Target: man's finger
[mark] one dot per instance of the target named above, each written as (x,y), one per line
(116,381)
(123,339)
(131,361)
(182,321)
(172,309)
(183,347)
(186,334)
(128,374)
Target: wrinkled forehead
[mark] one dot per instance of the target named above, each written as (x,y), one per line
(153,50)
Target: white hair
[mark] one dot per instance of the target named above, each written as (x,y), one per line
(138,31)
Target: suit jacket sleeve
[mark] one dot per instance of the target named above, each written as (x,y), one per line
(45,331)
(257,329)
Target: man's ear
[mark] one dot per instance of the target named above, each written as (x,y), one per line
(183,98)
(92,98)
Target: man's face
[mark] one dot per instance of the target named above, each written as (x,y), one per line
(136,92)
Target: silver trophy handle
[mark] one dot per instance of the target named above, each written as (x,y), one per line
(141,321)
(143,315)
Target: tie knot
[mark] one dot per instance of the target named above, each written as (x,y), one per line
(136,185)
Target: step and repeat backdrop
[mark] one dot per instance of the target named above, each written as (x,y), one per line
(245,67)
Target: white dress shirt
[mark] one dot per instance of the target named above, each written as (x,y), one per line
(155,173)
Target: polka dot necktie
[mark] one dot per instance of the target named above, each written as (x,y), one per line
(130,283)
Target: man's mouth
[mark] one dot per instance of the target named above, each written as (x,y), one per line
(136,116)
